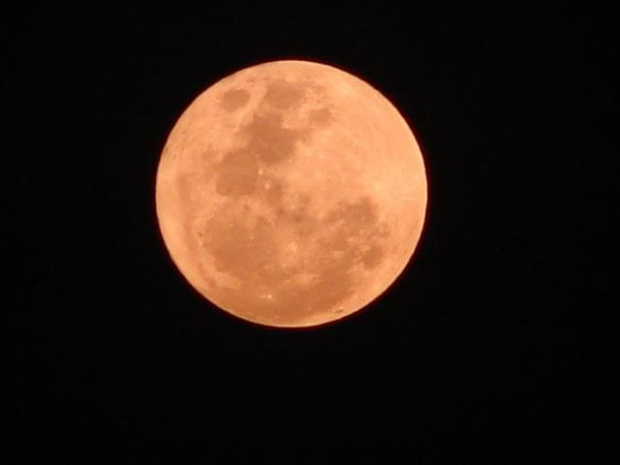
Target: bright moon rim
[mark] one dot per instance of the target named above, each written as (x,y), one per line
(291,194)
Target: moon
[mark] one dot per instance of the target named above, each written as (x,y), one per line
(291,194)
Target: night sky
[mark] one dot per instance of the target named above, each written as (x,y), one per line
(497,333)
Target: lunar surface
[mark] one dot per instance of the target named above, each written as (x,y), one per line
(291,194)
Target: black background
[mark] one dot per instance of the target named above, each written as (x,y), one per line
(499,330)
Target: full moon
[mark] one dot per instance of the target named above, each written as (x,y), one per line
(291,194)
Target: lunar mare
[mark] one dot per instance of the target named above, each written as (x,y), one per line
(291,194)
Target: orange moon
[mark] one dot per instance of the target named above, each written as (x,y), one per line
(291,194)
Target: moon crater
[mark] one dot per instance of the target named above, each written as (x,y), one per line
(235,99)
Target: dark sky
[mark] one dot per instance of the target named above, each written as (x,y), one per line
(498,331)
